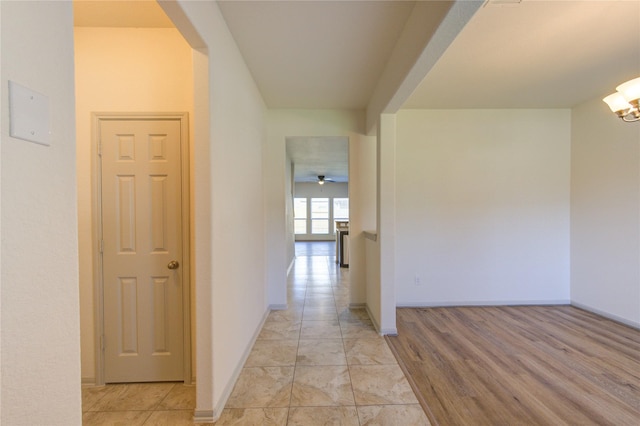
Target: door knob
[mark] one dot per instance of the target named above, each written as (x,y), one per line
(174,264)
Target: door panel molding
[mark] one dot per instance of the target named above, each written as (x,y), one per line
(97,119)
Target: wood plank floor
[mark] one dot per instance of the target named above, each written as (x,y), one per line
(533,365)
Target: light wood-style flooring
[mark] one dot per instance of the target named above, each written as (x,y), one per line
(534,365)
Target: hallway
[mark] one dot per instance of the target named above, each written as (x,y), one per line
(317,363)
(320,362)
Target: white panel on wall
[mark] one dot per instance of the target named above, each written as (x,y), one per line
(29,114)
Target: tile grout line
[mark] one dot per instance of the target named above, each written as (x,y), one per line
(295,362)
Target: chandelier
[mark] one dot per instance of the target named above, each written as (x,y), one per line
(625,102)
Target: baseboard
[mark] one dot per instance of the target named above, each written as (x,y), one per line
(484,303)
(203,416)
(359,306)
(88,381)
(607,315)
(381,331)
(278,307)
(373,319)
(217,410)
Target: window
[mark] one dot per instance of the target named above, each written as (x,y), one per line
(300,215)
(314,218)
(340,211)
(319,215)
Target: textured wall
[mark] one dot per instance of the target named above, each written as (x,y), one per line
(40,308)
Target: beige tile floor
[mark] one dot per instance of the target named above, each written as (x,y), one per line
(156,404)
(317,363)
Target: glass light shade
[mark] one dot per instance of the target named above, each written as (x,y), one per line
(617,102)
(630,90)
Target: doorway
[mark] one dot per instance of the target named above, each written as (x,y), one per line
(120,69)
(320,185)
(143,182)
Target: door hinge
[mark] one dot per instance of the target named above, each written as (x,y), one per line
(99,148)
(101,246)
(102,342)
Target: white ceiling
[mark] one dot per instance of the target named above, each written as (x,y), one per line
(316,54)
(313,157)
(332,54)
(536,54)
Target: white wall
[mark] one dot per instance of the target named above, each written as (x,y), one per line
(362,205)
(2,96)
(362,210)
(372,288)
(482,207)
(232,303)
(283,124)
(364,172)
(331,190)
(605,213)
(289,189)
(120,70)
(40,316)
(385,252)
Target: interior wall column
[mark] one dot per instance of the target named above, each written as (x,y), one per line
(386,213)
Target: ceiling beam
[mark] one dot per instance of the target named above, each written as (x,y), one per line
(429,31)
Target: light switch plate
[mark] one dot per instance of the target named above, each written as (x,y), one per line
(29,115)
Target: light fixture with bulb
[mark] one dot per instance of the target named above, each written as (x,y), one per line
(322,179)
(626,101)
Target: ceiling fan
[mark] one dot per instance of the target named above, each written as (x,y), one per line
(322,180)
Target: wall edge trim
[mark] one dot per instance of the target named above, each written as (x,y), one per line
(203,416)
(450,304)
(217,410)
(607,315)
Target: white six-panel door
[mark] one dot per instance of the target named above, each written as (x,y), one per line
(142,250)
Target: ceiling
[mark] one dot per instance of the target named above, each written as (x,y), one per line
(536,54)
(119,13)
(314,156)
(316,54)
(334,54)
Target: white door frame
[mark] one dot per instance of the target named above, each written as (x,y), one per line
(98,287)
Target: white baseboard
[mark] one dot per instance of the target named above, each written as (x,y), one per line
(381,331)
(373,319)
(217,410)
(483,303)
(278,307)
(607,315)
(203,416)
